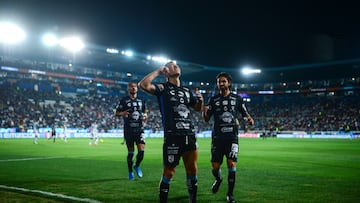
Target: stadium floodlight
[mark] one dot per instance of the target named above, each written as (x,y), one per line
(127,53)
(248,70)
(73,44)
(11,33)
(112,51)
(50,39)
(160,59)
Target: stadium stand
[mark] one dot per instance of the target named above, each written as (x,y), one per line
(58,93)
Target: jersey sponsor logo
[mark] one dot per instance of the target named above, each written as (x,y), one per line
(134,125)
(187,95)
(182,110)
(182,125)
(227,129)
(226,117)
(135,115)
(178,93)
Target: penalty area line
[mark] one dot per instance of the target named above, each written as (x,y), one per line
(67,197)
(30,159)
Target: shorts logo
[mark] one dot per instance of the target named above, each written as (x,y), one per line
(171,158)
(234,150)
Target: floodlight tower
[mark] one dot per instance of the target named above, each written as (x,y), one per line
(11,33)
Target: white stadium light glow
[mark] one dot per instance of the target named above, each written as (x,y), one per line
(11,33)
(50,40)
(112,51)
(248,70)
(160,59)
(72,43)
(127,53)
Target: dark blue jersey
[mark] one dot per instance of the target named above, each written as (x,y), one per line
(136,108)
(226,110)
(175,103)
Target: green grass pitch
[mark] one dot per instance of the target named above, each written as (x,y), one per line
(271,170)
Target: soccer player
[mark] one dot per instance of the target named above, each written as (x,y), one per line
(36,130)
(53,133)
(94,133)
(133,110)
(180,141)
(225,108)
(64,132)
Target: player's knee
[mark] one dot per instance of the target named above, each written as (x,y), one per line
(169,172)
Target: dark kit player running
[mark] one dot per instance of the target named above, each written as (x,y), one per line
(133,111)
(225,108)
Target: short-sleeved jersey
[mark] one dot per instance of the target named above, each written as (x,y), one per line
(94,128)
(225,111)
(175,103)
(136,108)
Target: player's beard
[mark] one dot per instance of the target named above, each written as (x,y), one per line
(174,75)
(223,88)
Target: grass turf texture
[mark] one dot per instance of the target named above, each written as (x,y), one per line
(271,170)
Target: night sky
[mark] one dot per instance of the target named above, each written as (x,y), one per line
(215,33)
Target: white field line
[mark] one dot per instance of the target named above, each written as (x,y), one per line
(30,159)
(49,194)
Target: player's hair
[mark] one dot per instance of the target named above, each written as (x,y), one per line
(166,64)
(132,82)
(226,75)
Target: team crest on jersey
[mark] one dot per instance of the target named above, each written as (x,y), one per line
(171,158)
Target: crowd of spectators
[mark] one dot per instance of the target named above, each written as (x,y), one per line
(19,108)
(22,102)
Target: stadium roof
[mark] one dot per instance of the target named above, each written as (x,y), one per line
(138,64)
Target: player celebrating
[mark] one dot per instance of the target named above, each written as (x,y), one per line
(225,108)
(179,134)
(133,111)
